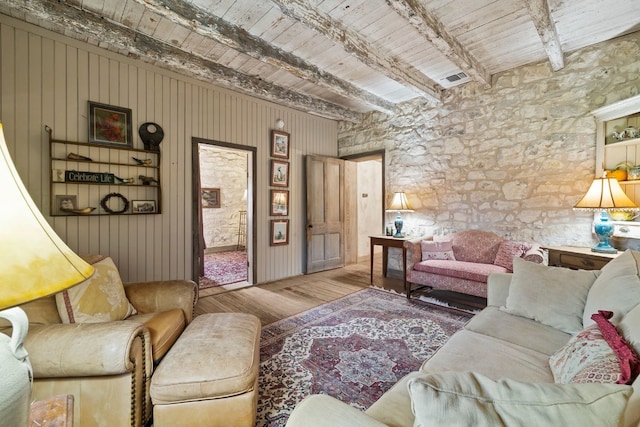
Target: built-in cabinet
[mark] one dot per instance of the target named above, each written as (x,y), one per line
(93,179)
(615,145)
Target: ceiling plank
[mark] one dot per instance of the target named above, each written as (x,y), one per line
(430,27)
(234,37)
(541,17)
(88,26)
(383,62)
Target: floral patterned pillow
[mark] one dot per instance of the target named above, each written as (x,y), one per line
(437,250)
(100,298)
(586,358)
(509,250)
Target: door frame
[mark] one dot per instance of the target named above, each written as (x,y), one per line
(196,208)
(360,157)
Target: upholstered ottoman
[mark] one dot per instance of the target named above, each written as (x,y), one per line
(210,375)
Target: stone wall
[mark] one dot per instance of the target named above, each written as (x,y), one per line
(226,170)
(512,159)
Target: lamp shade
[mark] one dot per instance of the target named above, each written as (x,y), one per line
(35,262)
(399,203)
(605,193)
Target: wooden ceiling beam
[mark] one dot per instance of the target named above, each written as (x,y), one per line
(541,16)
(189,17)
(89,27)
(382,61)
(430,27)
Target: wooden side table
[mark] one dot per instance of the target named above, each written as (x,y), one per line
(389,242)
(56,411)
(578,258)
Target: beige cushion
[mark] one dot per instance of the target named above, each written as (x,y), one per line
(164,327)
(616,289)
(100,298)
(470,399)
(554,296)
(629,328)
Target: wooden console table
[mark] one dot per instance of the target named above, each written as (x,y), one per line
(578,258)
(389,242)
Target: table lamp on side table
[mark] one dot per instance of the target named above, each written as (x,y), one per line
(399,204)
(34,262)
(605,194)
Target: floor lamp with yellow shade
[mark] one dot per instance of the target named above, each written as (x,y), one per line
(34,262)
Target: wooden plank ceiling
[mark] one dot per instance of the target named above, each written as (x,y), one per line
(337,58)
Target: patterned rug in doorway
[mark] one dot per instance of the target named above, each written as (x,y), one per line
(353,349)
(223,268)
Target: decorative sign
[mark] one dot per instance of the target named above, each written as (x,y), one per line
(92,177)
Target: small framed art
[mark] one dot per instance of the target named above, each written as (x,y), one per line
(143,206)
(279,232)
(279,173)
(279,144)
(109,125)
(65,204)
(210,197)
(279,202)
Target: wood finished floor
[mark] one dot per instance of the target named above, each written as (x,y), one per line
(283,298)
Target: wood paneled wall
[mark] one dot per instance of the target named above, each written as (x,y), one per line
(47,79)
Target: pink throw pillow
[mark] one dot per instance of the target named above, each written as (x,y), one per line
(509,250)
(629,362)
(437,250)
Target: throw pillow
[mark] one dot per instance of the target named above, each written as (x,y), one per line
(554,296)
(586,358)
(629,362)
(437,250)
(616,289)
(471,399)
(507,251)
(100,298)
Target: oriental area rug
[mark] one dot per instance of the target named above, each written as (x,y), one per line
(354,349)
(223,268)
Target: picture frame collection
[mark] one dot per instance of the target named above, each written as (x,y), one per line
(279,196)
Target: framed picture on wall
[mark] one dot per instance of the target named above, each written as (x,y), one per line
(279,173)
(279,232)
(279,144)
(279,202)
(210,197)
(65,204)
(109,125)
(143,206)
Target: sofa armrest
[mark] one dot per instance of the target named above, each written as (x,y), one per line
(414,250)
(86,349)
(320,410)
(498,288)
(151,297)
(535,254)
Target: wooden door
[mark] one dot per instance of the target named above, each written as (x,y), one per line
(325,213)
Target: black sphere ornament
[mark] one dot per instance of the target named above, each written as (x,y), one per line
(151,135)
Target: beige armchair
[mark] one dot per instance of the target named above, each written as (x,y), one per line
(107,366)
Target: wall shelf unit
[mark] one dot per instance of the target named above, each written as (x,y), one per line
(609,151)
(104,177)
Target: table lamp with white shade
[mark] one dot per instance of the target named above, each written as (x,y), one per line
(399,204)
(605,194)
(34,262)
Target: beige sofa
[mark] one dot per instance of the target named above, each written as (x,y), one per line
(107,364)
(497,370)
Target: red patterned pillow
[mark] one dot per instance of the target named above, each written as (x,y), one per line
(586,358)
(437,250)
(509,250)
(627,357)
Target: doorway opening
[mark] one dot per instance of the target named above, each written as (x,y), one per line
(223,230)
(369,197)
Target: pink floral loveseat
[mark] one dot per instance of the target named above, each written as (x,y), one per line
(463,263)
